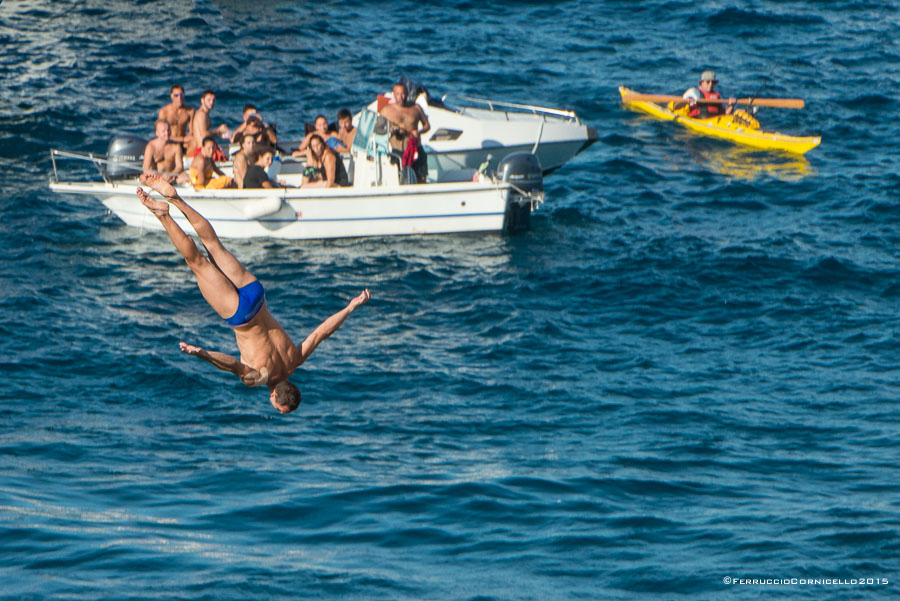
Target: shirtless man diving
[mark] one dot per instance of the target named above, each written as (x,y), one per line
(162,154)
(178,115)
(201,124)
(268,356)
(405,121)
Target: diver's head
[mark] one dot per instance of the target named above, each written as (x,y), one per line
(285,397)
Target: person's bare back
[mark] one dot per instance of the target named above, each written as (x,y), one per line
(264,343)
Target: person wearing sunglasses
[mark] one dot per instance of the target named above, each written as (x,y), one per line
(178,115)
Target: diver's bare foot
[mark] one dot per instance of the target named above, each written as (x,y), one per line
(160,209)
(159,183)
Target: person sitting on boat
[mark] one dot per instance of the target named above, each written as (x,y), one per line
(249,111)
(178,115)
(252,129)
(345,130)
(204,173)
(324,167)
(320,128)
(406,133)
(268,355)
(201,126)
(702,110)
(253,119)
(163,155)
(257,176)
(241,160)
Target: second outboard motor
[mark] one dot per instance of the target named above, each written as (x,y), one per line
(522,170)
(125,155)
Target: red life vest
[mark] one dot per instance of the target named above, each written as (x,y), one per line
(711,109)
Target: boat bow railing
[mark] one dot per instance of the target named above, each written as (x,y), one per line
(526,108)
(97,159)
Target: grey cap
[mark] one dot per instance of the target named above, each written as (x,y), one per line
(709,76)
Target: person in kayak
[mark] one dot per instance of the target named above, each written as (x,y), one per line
(268,355)
(702,110)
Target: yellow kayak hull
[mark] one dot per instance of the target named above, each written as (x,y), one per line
(726,128)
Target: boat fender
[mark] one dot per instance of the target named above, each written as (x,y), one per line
(125,154)
(261,207)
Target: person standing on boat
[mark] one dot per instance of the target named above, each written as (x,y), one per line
(268,355)
(178,115)
(201,125)
(162,154)
(701,110)
(406,134)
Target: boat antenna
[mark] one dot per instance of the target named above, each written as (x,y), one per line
(763,85)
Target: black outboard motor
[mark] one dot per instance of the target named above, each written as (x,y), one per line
(522,170)
(122,151)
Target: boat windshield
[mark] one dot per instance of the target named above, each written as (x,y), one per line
(364,128)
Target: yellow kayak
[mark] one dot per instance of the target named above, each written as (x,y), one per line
(738,127)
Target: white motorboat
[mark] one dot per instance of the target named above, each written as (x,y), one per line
(379,203)
(467,133)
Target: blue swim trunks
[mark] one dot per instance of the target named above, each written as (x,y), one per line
(251,298)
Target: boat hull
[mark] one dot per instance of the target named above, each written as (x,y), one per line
(717,127)
(298,214)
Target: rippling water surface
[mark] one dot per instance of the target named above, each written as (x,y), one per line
(685,372)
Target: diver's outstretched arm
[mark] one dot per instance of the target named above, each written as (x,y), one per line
(247,374)
(330,326)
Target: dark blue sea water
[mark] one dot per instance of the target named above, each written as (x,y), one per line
(686,372)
